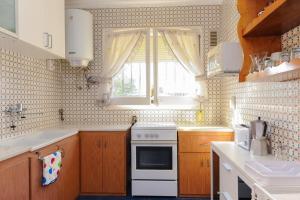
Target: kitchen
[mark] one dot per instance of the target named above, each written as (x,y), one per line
(66,89)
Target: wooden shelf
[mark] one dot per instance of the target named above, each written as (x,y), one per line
(284,72)
(278,18)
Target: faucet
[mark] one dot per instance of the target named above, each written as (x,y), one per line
(15,112)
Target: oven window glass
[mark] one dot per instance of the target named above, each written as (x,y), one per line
(154,158)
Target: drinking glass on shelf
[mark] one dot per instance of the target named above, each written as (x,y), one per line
(284,57)
(258,61)
(295,55)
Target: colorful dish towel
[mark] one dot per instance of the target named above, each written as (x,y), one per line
(51,167)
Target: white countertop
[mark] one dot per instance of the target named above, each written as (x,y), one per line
(238,158)
(42,138)
(204,128)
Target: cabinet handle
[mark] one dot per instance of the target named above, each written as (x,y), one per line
(63,153)
(227,167)
(46,40)
(105,144)
(50,41)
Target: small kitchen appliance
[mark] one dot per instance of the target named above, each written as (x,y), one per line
(242,136)
(259,143)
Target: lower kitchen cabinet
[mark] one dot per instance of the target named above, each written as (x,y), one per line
(103,163)
(195,174)
(67,186)
(194,161)
(14,181)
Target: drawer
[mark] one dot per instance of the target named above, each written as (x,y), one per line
(200,141)
(228,181)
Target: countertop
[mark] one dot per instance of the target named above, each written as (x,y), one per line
(204,128)
(238,158)
(44,137)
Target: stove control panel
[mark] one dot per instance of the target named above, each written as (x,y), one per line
(154,135)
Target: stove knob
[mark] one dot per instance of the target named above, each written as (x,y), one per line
(156,135)
(146,135)
(138,135)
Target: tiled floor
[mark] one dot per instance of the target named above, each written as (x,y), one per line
(137,198)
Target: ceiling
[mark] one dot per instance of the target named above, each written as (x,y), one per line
(136,3)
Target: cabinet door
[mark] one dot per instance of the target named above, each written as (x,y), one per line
(91,162)
(55,20)
(228,180)
(8,16)
(14,181)
(38,191)
(31,22)
(194,174)
(190,141)
(114,159)
(69,184)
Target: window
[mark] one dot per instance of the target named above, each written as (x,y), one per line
(153,74)
(175,84)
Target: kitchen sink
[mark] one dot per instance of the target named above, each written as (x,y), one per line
(275,172)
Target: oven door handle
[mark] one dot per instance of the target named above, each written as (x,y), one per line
(166,142)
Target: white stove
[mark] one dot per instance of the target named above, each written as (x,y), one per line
(154,159)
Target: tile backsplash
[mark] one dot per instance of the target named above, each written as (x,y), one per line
(28,81)
(80,104)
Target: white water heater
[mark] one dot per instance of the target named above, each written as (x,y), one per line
(79,37)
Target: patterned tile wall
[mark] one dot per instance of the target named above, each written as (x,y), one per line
(28,81)
(80,104)
(277,103)
(229,14)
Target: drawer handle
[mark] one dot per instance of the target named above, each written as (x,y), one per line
(226,196)
(227,167)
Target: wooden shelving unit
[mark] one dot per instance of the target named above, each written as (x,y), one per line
(263,33)
(272,74)
(280,17)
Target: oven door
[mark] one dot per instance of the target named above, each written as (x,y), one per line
(155,161)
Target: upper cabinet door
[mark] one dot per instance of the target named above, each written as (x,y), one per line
(42,24)
(8,16)
(31,24)
(55,21)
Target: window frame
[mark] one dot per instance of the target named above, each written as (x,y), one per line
(173,100)
(138,100)
(155,99)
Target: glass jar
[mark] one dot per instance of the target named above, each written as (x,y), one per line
(284,57)
(295,53)
(268,63)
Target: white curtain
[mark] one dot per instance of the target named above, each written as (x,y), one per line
(185,44)
(118,45)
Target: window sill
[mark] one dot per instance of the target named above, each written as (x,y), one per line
(152,107)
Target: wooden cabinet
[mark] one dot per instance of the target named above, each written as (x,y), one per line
(263,34)
(14,181)
(103,162)
(67,185)
(194,161)
(70,172)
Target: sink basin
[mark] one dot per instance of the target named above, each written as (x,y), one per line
(275,173)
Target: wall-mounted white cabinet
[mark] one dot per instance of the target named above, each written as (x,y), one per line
(39,27)
(8,22)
